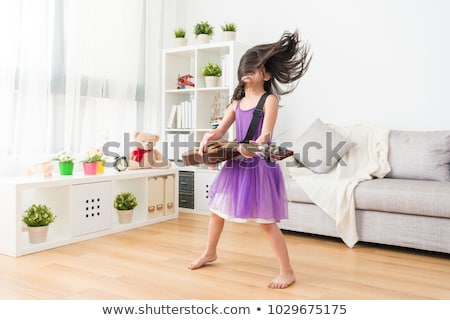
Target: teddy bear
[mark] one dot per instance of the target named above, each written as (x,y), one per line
(43,167)
(145,156)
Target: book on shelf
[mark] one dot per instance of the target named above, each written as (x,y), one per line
(180,116)
(171,121)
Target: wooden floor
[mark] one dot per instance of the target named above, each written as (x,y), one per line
(151,263)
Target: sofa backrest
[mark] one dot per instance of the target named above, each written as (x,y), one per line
(423,155)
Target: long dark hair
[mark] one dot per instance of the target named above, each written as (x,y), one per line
(287,60)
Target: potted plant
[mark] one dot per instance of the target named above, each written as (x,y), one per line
(37,218)
(93,162)
(124,203)
(203,31)
(66,162)
(229,31)
(211,71)
(180,37)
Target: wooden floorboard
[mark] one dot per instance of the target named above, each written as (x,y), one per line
(151,263)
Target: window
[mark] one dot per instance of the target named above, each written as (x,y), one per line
(71,74)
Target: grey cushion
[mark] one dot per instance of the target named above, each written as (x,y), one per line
(319,148)
(418,197)
(423,155)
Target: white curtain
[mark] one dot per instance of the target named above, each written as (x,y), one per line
(72,74)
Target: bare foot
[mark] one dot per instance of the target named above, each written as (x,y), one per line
(201,261)
(283,280)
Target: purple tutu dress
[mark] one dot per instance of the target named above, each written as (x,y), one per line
(249,188)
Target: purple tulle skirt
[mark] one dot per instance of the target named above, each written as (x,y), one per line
(249,189)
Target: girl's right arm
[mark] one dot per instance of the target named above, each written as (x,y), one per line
(220,131)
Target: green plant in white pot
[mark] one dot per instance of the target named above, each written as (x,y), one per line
(229,31)
(37,218)
(211,71)
(125,203)
(180,36)
(203,31)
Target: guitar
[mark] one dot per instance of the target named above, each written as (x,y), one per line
(219,151)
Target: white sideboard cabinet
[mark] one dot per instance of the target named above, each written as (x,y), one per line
(83,205)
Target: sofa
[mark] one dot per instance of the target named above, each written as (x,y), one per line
(407,207)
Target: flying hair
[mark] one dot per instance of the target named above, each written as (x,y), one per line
(287,60)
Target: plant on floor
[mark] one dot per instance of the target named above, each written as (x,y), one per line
(125,201)
(38,215)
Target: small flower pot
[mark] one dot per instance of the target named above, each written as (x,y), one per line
(66,168)
(100,167)
(37,234)
(180,42)
(90,168)
(211,81)
(203,38)
(229,35)
(125,216)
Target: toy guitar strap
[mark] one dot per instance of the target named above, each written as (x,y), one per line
(256,116)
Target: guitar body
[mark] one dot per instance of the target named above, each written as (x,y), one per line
(217,152)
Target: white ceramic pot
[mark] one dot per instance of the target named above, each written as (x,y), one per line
(203,38)
(125,216)
(37,234)
(211,81)
(229,35)
(180,42)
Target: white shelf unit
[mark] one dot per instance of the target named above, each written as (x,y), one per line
(180,61)
(84,205)
(190,60)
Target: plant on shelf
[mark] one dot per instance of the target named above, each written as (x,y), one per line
(229,31)
(93,159)
(203,31)
(64,156)
(211,71)
(124,203)
(66,162)
(93,156)
(180,37)
(179,33)
(229,26)
(37,218)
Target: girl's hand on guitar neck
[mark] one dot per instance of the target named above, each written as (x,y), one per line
(248,150)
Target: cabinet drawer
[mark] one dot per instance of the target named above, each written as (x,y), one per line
(186,200)
(186,181)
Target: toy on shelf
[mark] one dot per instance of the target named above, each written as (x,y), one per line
(43,167)
(145,156)
(185,81)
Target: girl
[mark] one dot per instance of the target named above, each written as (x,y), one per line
(248,187)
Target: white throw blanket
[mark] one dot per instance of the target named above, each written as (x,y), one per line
(333,191)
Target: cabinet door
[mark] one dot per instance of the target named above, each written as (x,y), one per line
(202,183)
(169,195)
(91,207)
(155,206)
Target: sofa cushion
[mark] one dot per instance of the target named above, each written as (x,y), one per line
(320,147)
(420,197)
(423,155)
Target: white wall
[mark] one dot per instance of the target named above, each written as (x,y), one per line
(385,62)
